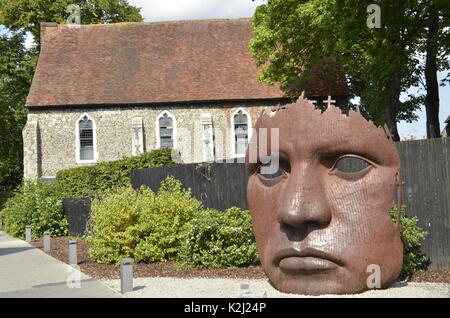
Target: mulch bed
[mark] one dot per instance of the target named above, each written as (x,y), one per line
(59,250)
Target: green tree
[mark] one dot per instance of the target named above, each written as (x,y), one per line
(16,70)
(292,36)
(436,48)
(19,19)
(27,14)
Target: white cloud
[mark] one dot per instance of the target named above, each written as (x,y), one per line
(166,10)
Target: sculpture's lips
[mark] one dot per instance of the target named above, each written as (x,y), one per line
(306,260)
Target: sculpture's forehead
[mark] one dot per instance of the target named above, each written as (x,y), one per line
(303,129)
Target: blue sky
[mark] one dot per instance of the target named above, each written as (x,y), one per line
(165,10)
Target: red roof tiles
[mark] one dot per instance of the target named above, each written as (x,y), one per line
(128,63)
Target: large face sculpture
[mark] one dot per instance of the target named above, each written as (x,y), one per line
(322,218)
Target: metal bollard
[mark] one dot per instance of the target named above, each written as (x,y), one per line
(28,233)
(126,275)
(73,253)
(47,242)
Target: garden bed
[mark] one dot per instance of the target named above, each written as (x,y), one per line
(59,250)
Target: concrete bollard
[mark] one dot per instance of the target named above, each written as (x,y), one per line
(126,275)
(73,253)
(28,233)
(47,242)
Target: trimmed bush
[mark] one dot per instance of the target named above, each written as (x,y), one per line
(414,260)
(91,181)
(219,239)
(37,205)
(144,225)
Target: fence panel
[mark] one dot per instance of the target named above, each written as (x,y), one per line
(77,214)
(426,193)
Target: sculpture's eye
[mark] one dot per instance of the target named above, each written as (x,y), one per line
(272,171)
(350,167)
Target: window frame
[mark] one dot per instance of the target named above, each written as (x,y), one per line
(233,132)
(77,140)
(174,129)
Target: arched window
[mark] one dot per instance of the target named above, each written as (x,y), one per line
(86,147)
(166,128)
(241,129)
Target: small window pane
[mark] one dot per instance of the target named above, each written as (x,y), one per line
(240,132)
(166,131)
(86,132)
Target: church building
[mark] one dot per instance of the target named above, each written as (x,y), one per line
(104,92)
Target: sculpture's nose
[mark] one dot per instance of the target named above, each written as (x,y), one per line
(304,202)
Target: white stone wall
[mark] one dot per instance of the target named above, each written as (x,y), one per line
(50,145)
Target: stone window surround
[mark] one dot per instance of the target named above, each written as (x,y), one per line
(233,135)
(77,141)
(174,131)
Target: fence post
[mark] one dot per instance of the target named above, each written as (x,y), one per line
(47,242)
(28,233)
(73,253)
(126,275)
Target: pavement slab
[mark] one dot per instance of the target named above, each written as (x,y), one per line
(27,272)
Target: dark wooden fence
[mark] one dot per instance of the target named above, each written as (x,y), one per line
(424,171)
(77,213)
(218,185)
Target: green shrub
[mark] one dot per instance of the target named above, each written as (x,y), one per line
(144,225)
(91,181)
(411,234)
(37,205)
(219,239)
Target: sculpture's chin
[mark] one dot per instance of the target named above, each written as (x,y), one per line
(338,281)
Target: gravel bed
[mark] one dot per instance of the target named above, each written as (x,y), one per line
(163,287)
(164,280)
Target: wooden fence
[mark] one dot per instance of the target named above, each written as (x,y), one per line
(77,212)
(424,171)
(218,185)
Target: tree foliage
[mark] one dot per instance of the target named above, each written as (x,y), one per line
(292,36)
(19,21)
(16,71)
(27,14)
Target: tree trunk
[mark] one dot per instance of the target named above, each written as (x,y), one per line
(392,99)
(431,81)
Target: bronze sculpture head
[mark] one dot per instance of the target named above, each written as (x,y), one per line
(319,225)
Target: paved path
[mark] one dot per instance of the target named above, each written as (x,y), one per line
(25,271)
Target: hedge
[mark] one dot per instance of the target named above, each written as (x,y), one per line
(37,205)
(144,225)
(89,181)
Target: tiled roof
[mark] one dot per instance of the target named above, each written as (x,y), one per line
(162,62)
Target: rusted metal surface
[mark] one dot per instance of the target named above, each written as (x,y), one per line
(318,230)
